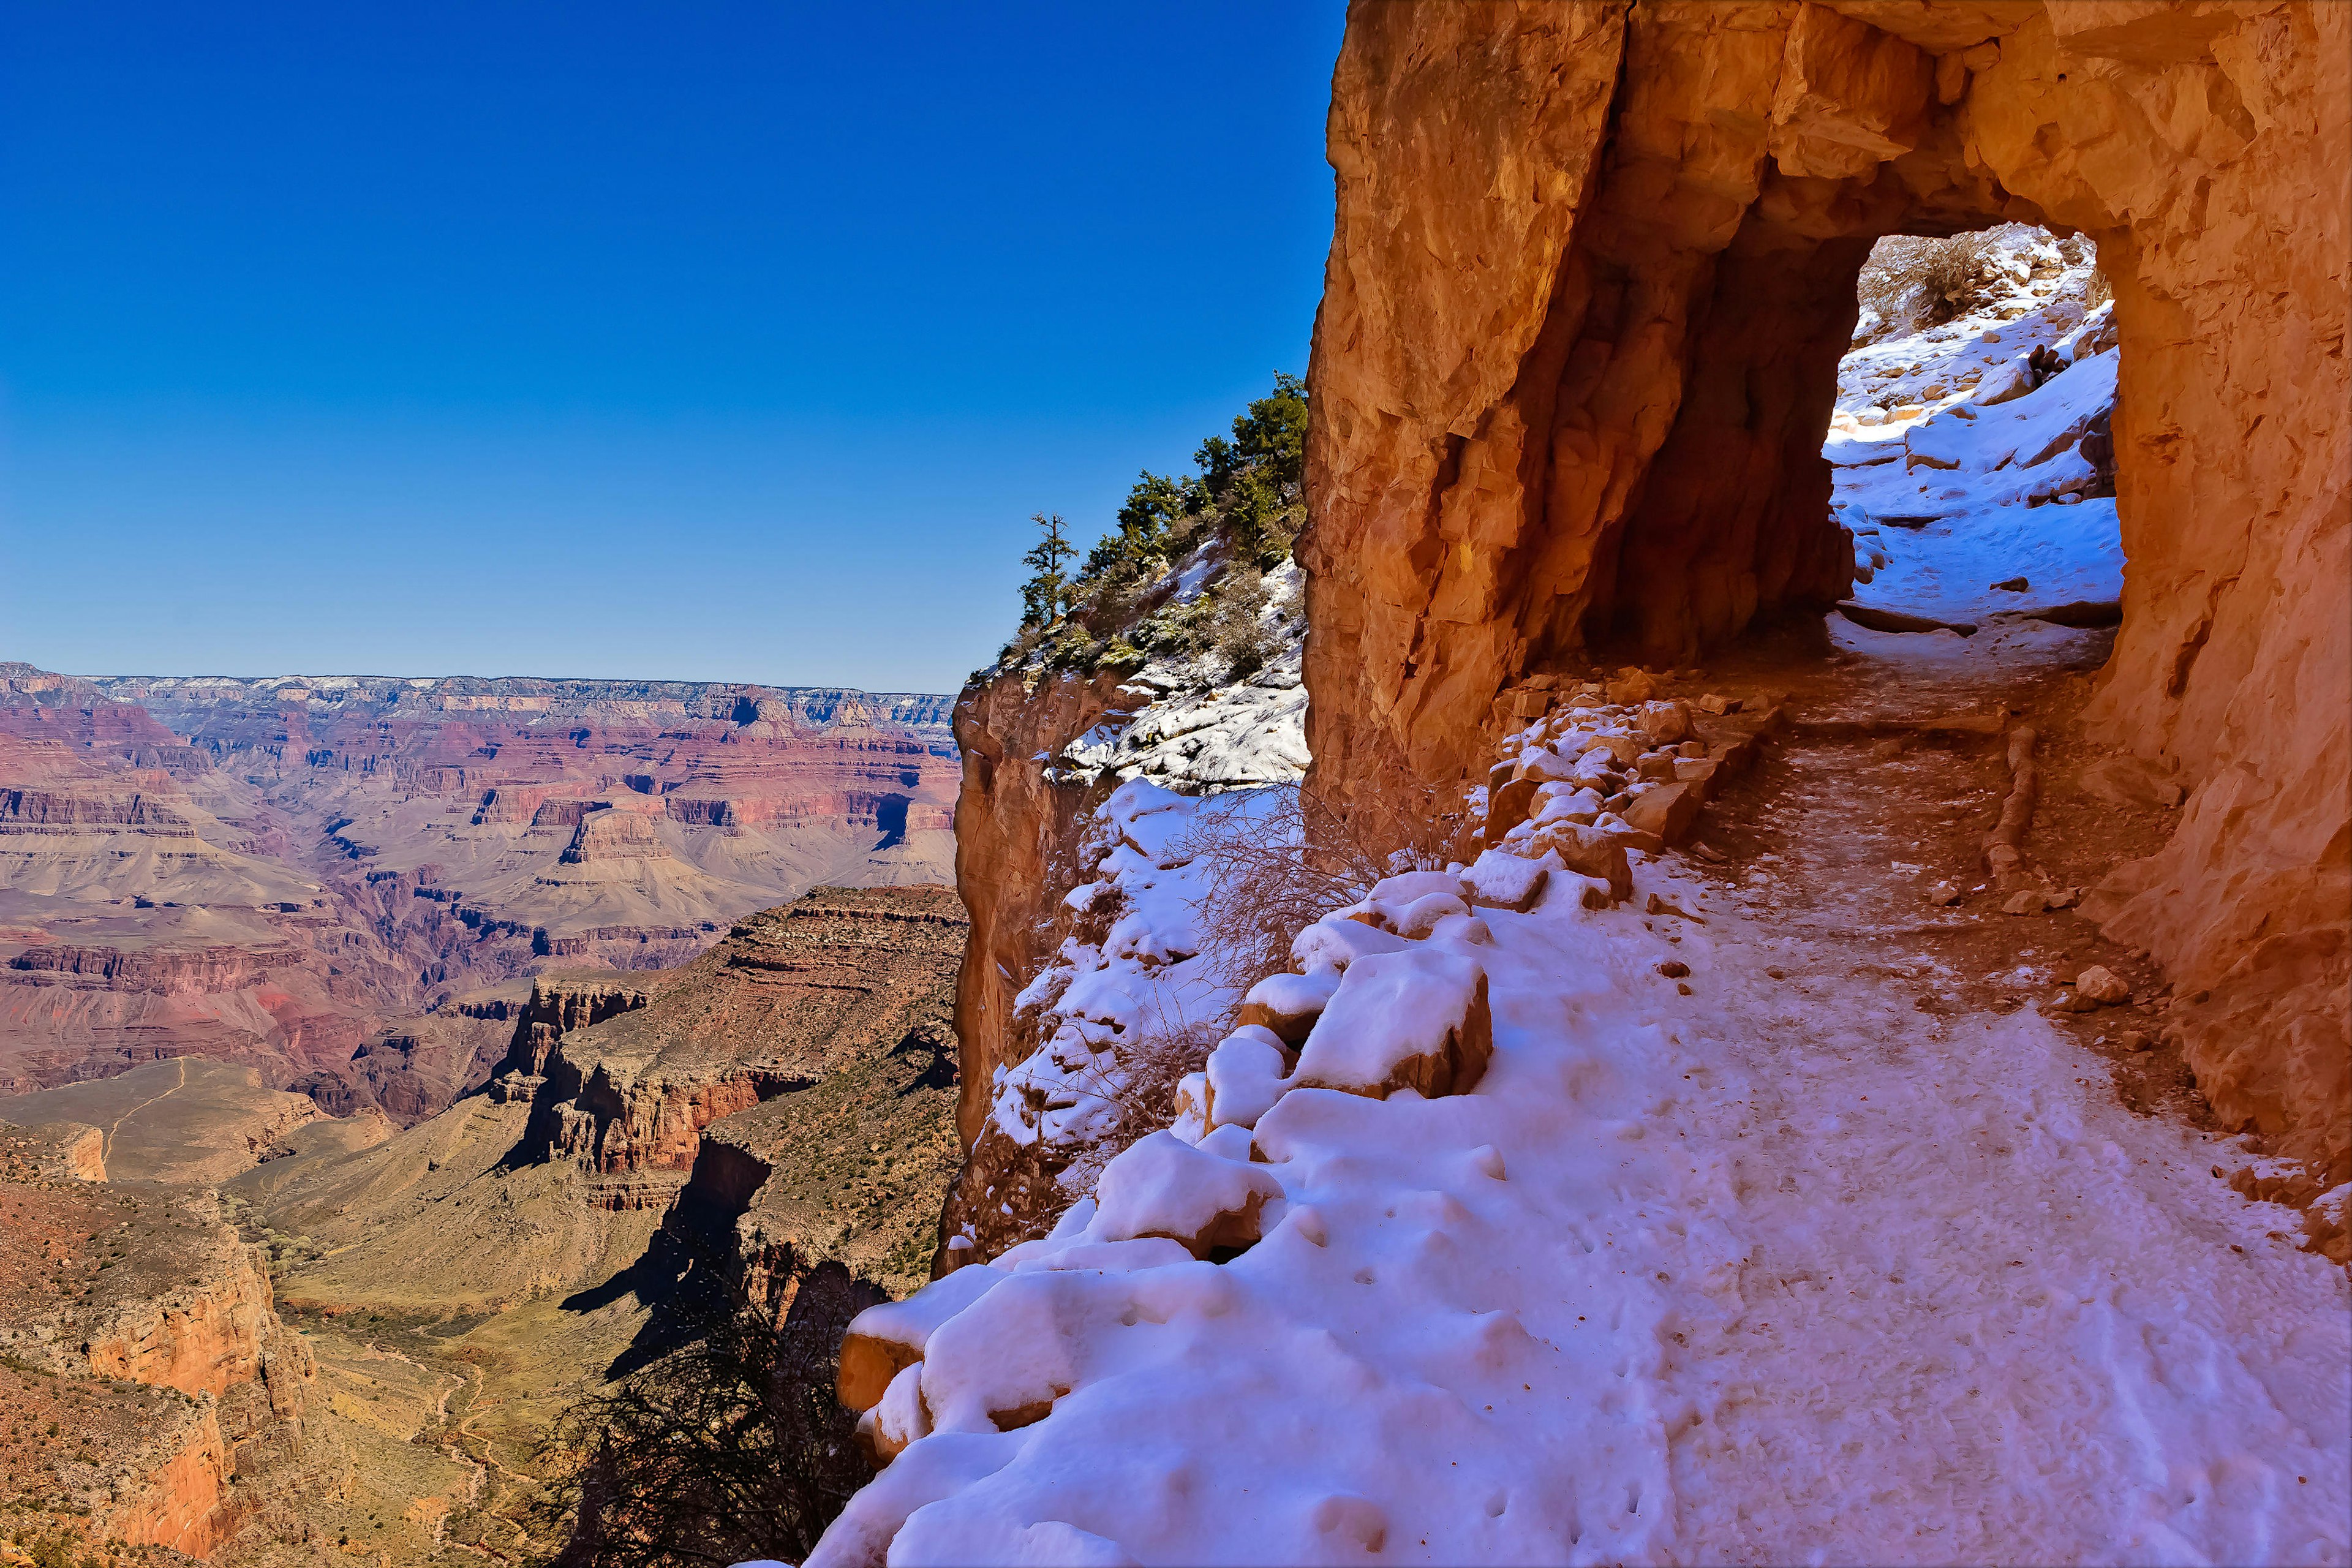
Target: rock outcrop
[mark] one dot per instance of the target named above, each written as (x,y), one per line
(141,1320)
(1592,271)
(1018,824)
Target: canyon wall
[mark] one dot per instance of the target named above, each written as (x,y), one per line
(1592,269)
(1018,820)
(307,876)
(140,1316)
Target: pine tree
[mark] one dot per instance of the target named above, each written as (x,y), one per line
(1046,594)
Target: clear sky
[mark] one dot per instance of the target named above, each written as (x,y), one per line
(726,341)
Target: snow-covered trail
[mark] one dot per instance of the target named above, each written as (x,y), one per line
(1785,1229)
(1982,1313)
(1778,1268)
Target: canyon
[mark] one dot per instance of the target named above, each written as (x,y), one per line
(370,1330)
(346,883)
(1743,956)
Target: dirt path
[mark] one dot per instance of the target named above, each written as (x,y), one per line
(108,1149)
(1987,1271)
(1873,798)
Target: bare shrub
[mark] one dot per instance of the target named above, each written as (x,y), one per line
(730,1446)
(1911,281)
(1238,629)
(1136,1083)
(1278,859)
(1152,1067)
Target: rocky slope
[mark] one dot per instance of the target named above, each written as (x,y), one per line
(778,1112)
(316,876)
(145,1365)
(1576,350)
(780,1106)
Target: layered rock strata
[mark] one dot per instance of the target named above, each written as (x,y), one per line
(783,1100)
(140,1321)
(1592,271)
(298,875)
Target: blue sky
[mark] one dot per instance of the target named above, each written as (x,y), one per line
(723,341)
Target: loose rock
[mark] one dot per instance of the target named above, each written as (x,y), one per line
(2102,985)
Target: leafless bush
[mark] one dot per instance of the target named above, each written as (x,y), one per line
(1911,281)
(730,1446)
(1277,860)
(1136,1082)
(1152,1067)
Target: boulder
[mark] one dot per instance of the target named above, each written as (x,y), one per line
(1631,687)
(884,1341)
(1508,807)
(1288,1005)
(1500,880)
(1664,723)
(1408,1020)
(1164,1186)
(1669,812)
(1698,773)
(1246,1076)
(1589,852)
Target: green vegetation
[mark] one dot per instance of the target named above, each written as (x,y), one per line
(1240,508)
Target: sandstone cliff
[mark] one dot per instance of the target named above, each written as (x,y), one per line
(1592,272)
(144,1324)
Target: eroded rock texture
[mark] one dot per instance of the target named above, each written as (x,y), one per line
(1592,271)
(1017,827)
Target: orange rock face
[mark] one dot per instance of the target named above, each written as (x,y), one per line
(1015,831)
(1592,271)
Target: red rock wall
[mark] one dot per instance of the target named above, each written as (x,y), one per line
(1016,829)
(1591,270)
(203,1337)
(183,1503)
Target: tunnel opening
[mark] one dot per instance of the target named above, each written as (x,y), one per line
(1579,354)
(1870,426)
(1970,447)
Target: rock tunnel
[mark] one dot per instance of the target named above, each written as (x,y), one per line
(1593,269)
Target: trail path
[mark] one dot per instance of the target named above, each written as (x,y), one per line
(1986,1310)
(154,1099)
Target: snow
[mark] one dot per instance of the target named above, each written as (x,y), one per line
(1245,1076)
(1980,492)
(1499,878)
(1104,1008)
(1390,1008)
(1164,1186)
(1193,730)
(1770,1272)
(1764,1264)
